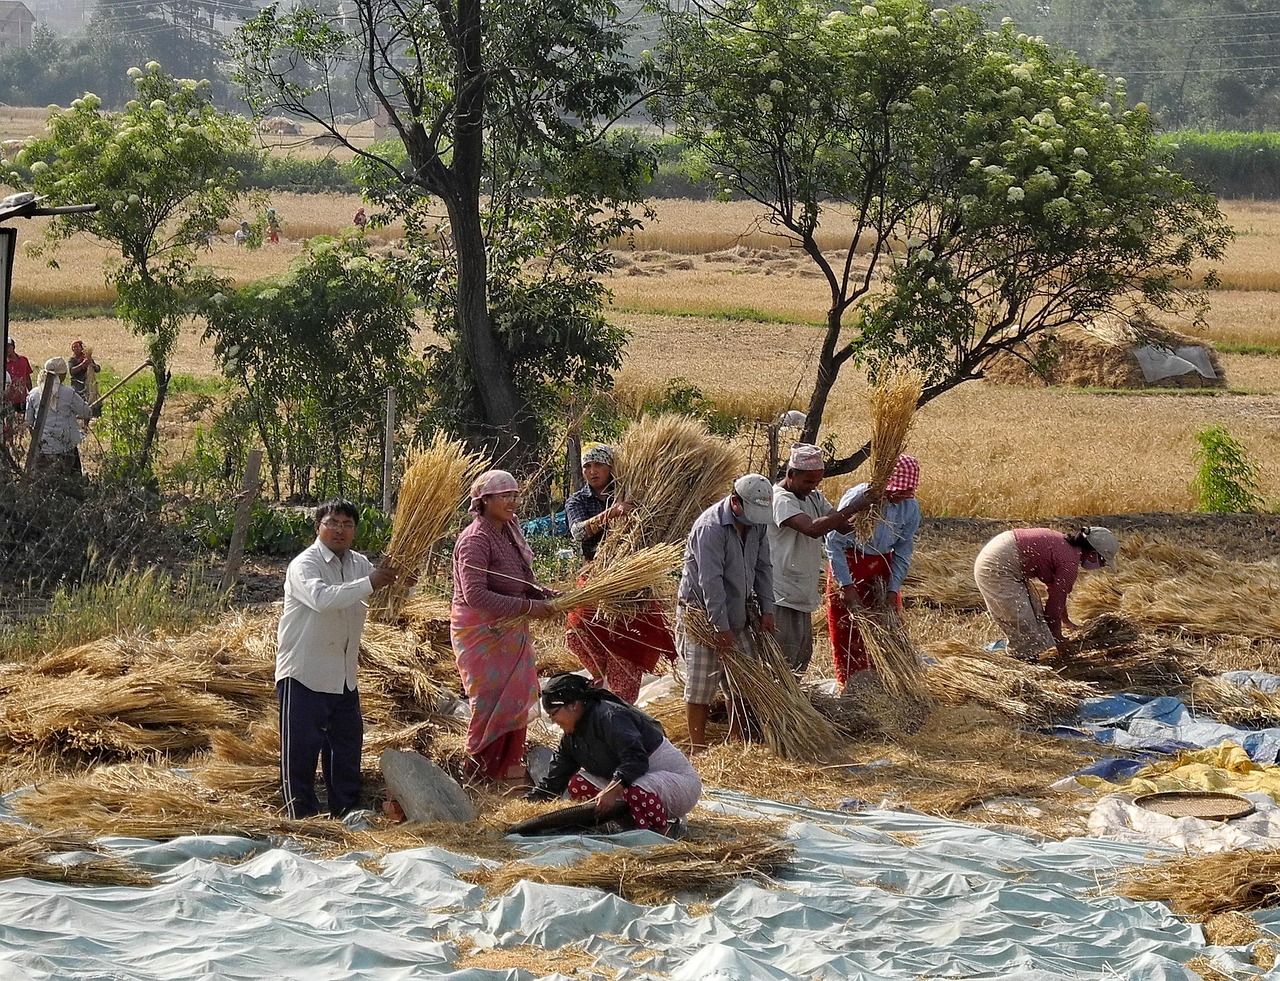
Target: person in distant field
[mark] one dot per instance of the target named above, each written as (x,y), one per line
(60,436)
(802,517)
(616,755)
(84,374)
(1009,561)
(242,234)
(617,653)
(870,573)
(360,219)
(325,601)
(726,566)
(273,227)
(17,370)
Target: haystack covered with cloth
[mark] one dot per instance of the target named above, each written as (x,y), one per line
(1136,356)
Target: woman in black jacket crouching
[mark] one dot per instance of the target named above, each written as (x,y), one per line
(616,754)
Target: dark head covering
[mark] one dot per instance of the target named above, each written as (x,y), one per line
(565,689)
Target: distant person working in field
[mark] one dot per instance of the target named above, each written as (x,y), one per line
(1007,564)
(325,594)
(727,570)
(802,517)
(616,652)
(360,219)
(17,370)
(60,436)
(242,234)
(870,573)
(84,373)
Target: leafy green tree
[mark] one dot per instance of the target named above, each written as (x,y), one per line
(497,106)
(313,351)
(162,171)
(991,188)
(1227,479)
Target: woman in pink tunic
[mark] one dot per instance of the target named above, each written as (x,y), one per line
(494,596)
(1009,561)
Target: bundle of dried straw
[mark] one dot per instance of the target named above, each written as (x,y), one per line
(892,651)
(763,681)
(434,485)
(624,586)
(1033,692)
(893,408)
(1201,885)
(1237,704)
(672,469)
(27,854)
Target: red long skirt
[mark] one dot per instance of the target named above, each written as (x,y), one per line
(847,649)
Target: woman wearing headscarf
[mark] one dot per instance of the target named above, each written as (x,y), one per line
(1009,561)
(870,573)
(616,755)
(616,652)
(494,596)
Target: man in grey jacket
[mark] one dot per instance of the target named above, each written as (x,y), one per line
(726,566)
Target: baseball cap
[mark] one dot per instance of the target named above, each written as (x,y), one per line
(1102,541)
(757,498)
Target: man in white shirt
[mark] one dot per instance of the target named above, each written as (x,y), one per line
(325,594)
(802,516)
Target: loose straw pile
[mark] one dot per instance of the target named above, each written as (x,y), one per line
(625,586)
(1201,885)
(1036,693)
(1239,705)
(764,682)
(893,408)
(434,485)
(672,469)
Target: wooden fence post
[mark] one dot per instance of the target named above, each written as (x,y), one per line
(244,510)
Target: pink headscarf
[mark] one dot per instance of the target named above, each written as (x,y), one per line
(805,456)
(905,476)
(499,482)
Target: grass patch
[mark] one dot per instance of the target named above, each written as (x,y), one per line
(1264,350)
(46,309)
(121,601)
(749,315)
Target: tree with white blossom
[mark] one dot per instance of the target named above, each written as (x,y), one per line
(164,173)
(990,188)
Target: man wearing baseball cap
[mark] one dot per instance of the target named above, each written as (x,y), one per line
(870,572)
(726,567)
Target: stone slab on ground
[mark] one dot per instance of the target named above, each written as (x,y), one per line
(425,792)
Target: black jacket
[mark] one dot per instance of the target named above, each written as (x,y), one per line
(611,738)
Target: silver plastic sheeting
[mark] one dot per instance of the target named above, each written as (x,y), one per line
(872,895)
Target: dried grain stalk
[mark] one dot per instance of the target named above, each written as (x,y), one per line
(672,469)
(892,651)
(760,677)
(1201,885)
(959,673)
(432,489)
(1236,704)
(893,407)
(626,585)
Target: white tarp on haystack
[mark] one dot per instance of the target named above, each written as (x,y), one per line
(873,895)
(1158,363)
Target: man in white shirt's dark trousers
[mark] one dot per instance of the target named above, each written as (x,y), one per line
(325,600)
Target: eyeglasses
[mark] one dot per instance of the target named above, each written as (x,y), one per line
(339,525)
(507,496)
(551,712)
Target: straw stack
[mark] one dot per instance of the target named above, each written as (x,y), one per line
(763,681)
(672,469)
(1239,705)
(1201,885)
(434,484)
(893,408)
(960,673)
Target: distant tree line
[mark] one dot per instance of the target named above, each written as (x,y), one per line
(1198,64)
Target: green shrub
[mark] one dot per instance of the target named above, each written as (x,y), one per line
(1227,480)
(1232,165)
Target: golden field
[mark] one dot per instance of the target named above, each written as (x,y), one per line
(987,450)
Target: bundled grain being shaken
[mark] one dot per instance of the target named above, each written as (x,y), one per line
(892,651)
(1104,357)
(893,408)
(624,586)
(762,679)
(1201,885)
(657,874)
(147,801)
(959,673)
(672,468)
(1111,651)
(431,492)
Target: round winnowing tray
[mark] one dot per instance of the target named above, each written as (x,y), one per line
(1208,805)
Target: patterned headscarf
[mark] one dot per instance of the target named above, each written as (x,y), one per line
(499,482)
(597,453)
(805,456)
(905,476)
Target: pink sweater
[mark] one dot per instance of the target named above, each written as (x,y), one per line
(489,573)
(1047,556)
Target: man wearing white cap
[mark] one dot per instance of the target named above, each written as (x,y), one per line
(60,437)
(802,516)
(726,565)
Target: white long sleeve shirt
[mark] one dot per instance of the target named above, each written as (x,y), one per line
(324,611)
